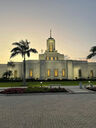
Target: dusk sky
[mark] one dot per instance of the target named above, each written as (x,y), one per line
(73,24)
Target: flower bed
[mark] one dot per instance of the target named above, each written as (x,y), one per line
(92,88)
(32,90)
(13,90)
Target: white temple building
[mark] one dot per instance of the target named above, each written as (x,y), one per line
(51,65)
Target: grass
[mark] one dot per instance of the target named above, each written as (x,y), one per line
(37,84)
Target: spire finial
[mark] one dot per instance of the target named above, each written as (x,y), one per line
(50,33)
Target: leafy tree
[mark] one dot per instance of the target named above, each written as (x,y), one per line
(7,74)
(23,49)
(11,64)
(92,52)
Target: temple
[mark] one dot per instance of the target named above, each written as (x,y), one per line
(51,65)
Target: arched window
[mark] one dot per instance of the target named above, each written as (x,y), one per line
(51,58)
(63,72)
(47,58)
(50,47)
(15,74)
(80,73)
(48,72)
(55,58)
(30,73)
(55,72)
(91,73)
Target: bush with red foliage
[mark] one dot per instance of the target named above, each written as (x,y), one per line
(92,88)
(13,90)
(32,90)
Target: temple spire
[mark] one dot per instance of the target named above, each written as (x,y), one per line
(50,33)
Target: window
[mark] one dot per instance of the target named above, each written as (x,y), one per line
(30,73)
(50,47)
(55,72)
(55,58)
(80,73)
(91,73)
(47,58)
(63,72)
(15,74)
(48,72)
(51,58)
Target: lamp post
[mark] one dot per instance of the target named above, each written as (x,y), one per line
(41,83)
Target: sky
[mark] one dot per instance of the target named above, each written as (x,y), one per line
(73,24)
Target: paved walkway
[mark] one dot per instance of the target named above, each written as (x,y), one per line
(77,90)
(48,111)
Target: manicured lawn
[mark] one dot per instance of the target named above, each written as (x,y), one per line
(36,84)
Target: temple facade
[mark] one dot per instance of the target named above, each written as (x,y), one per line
(51,65)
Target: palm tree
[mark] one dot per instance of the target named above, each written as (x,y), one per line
(23,49)
(92,52)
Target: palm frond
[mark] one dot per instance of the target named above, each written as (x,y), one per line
(24,44)
(20,44)
(91,55)
(28,53)
(22,48)
(33,50)
(30,50)
(27,42)
(93,49)
(14,54)
(16,49)
(17,44)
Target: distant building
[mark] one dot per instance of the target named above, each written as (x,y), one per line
(51,65)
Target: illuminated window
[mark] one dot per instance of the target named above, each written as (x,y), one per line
(55,58)
(51,48)
(51,58)
(63,72)
(56,72)
(47,58)
(91,73)
(48,72)
(30,73)
(15,74)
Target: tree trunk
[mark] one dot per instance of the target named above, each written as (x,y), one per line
(24,71)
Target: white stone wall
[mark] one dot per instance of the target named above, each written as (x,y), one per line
(3,68)
(92,66)
(33,65)
(70,69)
(18,67)
(51,54)
(80,65)
(40,69)
(52,65)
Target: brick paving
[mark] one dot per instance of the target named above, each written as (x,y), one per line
(48,111)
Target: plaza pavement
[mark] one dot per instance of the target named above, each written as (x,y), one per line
(54,110)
